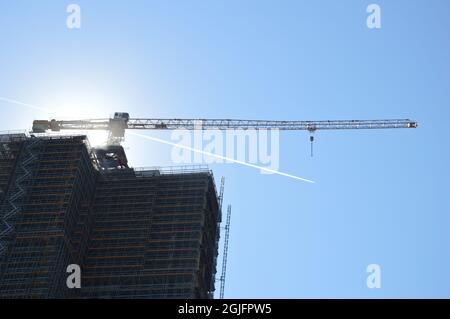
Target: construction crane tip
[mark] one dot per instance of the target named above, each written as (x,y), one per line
(413,124)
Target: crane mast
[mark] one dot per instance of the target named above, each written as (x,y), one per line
(225,253)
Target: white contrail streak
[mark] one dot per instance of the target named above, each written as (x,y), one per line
(35,107)
(155,139)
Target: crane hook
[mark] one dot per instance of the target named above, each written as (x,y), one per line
(311,139)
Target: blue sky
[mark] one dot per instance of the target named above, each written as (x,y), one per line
(380,196)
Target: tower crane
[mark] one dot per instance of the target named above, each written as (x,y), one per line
(121,121)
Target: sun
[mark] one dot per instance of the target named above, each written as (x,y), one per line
(80,103)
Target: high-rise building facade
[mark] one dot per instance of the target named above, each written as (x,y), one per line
(147,233)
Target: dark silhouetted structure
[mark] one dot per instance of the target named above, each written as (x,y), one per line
(148,233)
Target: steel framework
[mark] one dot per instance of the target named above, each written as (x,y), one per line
(219,124)
(144,233)
(225,253)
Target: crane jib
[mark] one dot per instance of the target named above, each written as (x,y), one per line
(117,126)
(121,121)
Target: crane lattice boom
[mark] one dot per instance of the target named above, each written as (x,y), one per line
(122,121)
(217,124)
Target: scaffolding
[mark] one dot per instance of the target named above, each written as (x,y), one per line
(154,235)
(136,233)
(10,147)
(46,205)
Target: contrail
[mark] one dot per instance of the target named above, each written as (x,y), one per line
(35,107)
(155,139)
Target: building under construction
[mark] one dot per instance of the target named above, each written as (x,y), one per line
(147,233)
(135,233)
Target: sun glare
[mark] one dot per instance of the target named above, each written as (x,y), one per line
(80,104)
